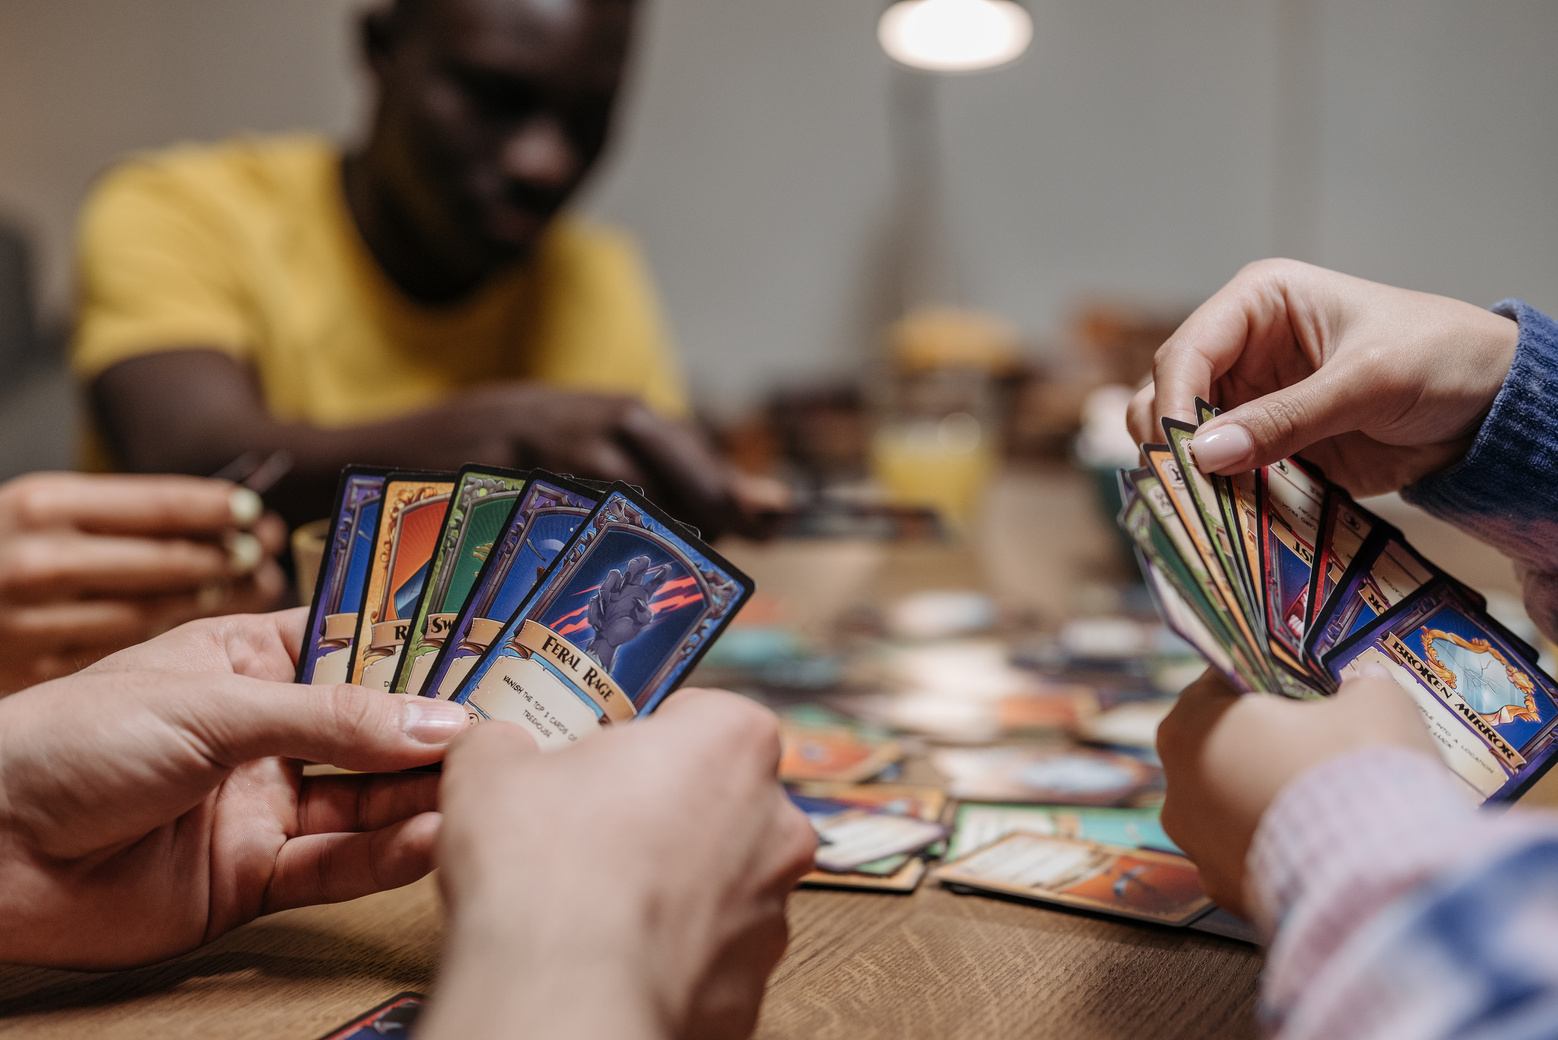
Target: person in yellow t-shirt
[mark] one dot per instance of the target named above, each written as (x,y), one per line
(419,302)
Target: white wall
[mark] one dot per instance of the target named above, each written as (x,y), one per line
(1140,148)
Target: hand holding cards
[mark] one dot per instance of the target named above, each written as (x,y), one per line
(1287,585)
(560,606)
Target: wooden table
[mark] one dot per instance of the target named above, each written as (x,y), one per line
(931,964)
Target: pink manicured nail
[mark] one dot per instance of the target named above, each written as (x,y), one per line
(1223,447)
(432,722)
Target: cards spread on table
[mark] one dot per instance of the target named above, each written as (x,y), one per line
(1287,585)
(559,605)
(1135,883)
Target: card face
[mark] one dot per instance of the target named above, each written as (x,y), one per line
(1132,883)
(1034,774)
(1158,532)
(393,1018)
(1385,571)
(409,522)
(1491,711)
(856,836)
(897,873)
(977,825)
(1182,618)
(622,615)
(343,575)
(549,511)
(1209,513)
(481,505)
(1344,528)
(1289,499)
(1166,466)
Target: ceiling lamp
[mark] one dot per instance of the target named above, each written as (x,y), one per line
(954,35)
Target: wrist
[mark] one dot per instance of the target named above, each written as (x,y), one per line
(566,963)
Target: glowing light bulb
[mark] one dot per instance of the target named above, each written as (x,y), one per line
(954,35)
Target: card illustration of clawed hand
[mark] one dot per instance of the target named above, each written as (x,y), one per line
(1285,584)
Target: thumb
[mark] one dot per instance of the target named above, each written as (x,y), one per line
(1283,423)
(241,719)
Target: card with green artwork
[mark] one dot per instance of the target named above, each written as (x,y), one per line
(483,499)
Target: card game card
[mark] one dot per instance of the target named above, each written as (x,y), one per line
(622,615)
(483,501)
(898,873)
(1029,774)
(856,836)
(1084,875)
(343,573)
(409,522)
(549,511)
(393,1018)
(1491,710)
(832,752)
(976,825)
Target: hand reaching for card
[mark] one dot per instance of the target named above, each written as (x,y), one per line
(1226,756)
(145,810)
(1379,386)
(631,885)
(90,564)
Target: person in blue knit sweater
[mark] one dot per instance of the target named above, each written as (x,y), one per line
(1393,907)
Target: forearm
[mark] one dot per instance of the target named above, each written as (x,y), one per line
(505,977)
(1390,900)
(1505,490)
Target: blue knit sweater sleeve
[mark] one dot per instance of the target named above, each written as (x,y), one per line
(1505,491)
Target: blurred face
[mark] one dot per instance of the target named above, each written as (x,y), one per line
(491,113)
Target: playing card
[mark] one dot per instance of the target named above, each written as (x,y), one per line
(1063,776)
(618,620)
(1134,883)
(1289,497)
(828,752)
(1151,521)
(1160,457)
(483,502)
(1490,709)
(549,511)
(857,836)
(409,522)
(343,572)
(896,873)
(393,1018)
(1344,527)
(1210,514)
(976,825)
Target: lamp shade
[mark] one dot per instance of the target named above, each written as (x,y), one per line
(954,35)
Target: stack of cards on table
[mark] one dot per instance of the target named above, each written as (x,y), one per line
(1287,585)
(561,605)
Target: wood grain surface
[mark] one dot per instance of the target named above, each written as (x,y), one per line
(931,964)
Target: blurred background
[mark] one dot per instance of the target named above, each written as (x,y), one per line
(1126,165)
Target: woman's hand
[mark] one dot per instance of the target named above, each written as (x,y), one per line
(91,564)
(1379,386)
(154,801)
(1226,756)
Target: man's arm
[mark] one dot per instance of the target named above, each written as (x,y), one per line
(194,410)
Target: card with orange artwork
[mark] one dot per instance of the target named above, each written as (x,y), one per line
(410,519)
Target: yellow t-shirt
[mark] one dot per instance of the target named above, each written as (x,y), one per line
(248,247)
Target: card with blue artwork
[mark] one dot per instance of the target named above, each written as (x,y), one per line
(614,625)
(1490,709)
(548,512)
(343,575)
(394,1018)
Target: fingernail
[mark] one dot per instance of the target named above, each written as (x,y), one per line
(1222,447)
(1374,670)
(428,721)
(245,506)
(244,552)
